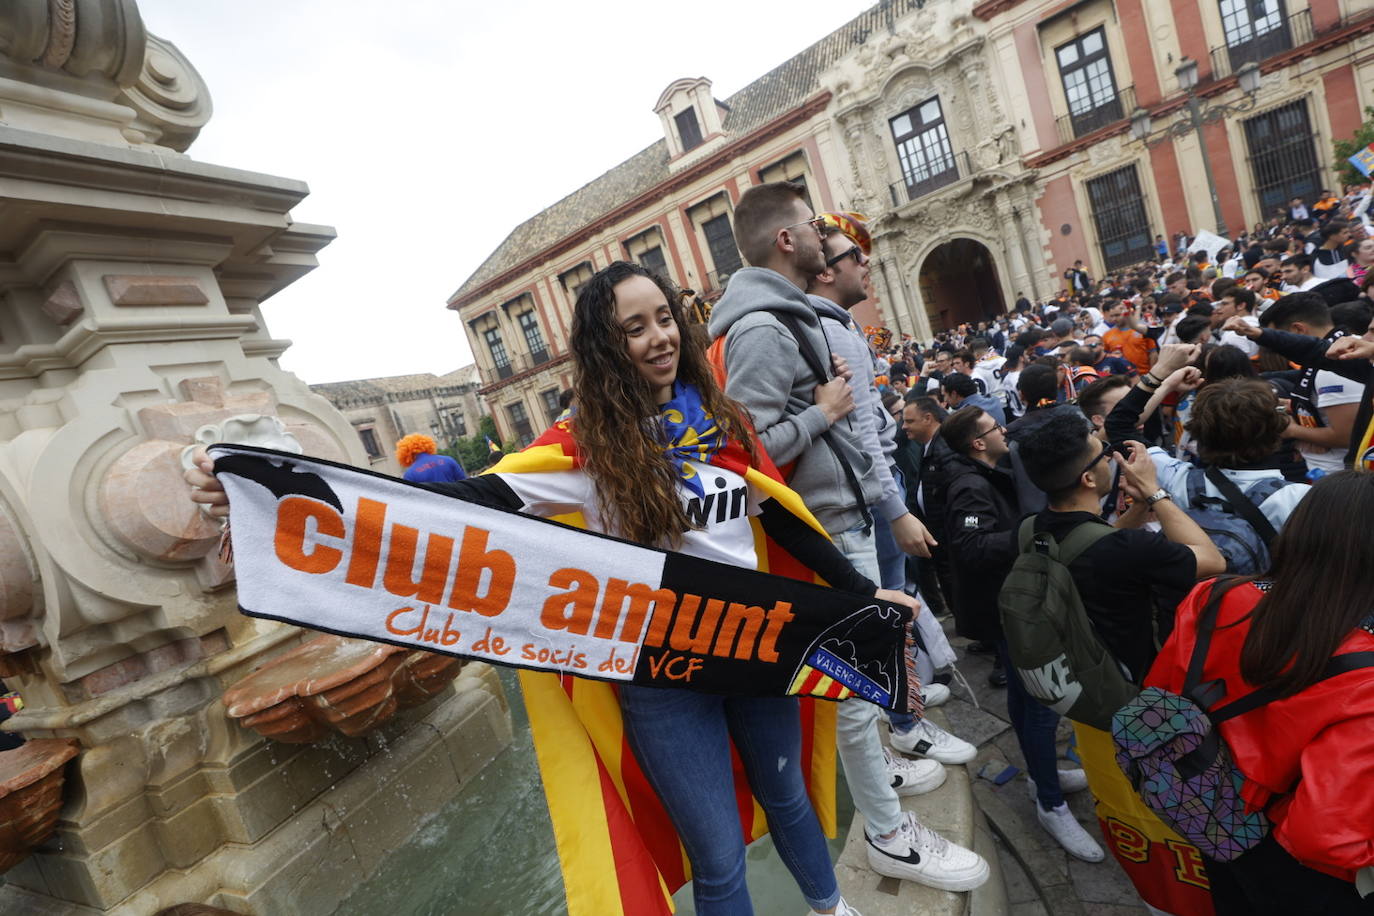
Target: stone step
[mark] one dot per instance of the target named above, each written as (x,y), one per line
(952,812)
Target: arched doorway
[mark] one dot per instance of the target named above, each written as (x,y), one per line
(958,283)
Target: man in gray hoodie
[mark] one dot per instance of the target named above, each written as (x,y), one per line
(805,420)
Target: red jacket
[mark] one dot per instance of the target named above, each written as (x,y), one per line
(1320,740)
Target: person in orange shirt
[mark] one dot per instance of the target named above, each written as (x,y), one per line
(1324,208)
(1127,339)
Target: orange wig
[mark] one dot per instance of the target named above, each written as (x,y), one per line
(413,446)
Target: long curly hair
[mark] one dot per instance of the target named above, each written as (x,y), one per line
(622,451)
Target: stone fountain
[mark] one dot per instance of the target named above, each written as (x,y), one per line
(131,278)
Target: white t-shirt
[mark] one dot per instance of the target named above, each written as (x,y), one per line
(1332,391)
(1240,341)
(1304,287)
(724,510)
(1323,271)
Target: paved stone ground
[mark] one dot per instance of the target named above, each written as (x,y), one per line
(1041,879)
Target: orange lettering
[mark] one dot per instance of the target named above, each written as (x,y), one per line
(367,543)
(292,516)
(641,599)
(752,619)
(400,565)
(778,614)
(688,638)
(450,635)
(663,614)
(571,610)
(473,560)
(393,627)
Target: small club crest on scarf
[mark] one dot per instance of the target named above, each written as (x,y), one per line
(691,434)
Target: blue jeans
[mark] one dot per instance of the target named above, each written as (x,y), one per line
(1034,724)
(682,742)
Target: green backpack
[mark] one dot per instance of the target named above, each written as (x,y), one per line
(1051,642)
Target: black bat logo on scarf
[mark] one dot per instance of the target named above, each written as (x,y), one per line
(282,479)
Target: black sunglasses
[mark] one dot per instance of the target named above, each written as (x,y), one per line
(1106,450)
(855,252)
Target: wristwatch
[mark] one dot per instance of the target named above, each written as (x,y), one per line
(1157,495)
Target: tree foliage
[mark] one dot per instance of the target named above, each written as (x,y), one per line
(471,451)
(1344,149)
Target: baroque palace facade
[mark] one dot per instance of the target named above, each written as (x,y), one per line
(990,145)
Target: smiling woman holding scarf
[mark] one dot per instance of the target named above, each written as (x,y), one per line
(652,440)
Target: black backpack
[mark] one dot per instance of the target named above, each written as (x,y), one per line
(1050,640)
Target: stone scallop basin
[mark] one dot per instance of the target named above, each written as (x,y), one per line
(31,795)
(331,683)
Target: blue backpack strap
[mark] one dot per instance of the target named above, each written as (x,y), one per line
(1195,482)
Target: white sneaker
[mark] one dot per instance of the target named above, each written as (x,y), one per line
(914,777)
(933,695)
(1061,824)
(1069,781)
(841,909)
(929,740)
(917,853)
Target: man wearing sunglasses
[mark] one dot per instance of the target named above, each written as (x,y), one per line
(777,361)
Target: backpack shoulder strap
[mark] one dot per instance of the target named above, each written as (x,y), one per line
(1025,533)
(804,346)
(818,368)
(1337,665)
(1195,482)
(1241,505)
(1206,622)
(1081,538)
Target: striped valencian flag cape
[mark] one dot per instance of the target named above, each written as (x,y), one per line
(619,852)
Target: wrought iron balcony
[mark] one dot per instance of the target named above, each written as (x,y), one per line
(1287,34)
(1116,107)
(933,175)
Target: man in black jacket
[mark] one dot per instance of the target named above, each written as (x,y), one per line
(921,457)
(982,513)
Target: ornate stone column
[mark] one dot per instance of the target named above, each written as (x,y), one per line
(131,279)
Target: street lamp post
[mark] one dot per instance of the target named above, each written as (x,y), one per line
(1198,114)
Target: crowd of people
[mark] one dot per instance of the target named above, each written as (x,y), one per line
(1188,419)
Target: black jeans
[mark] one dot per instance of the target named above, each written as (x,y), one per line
(1267,880)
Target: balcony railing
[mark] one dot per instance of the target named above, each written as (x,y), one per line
(520,363)
(1116,108)
(936,175)
(1291,32)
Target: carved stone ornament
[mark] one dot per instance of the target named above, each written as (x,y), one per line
(31,795)
(171,98)
(81,37)
(334,684)
(97,43)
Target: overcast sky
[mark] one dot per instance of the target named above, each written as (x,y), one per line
(428,129)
